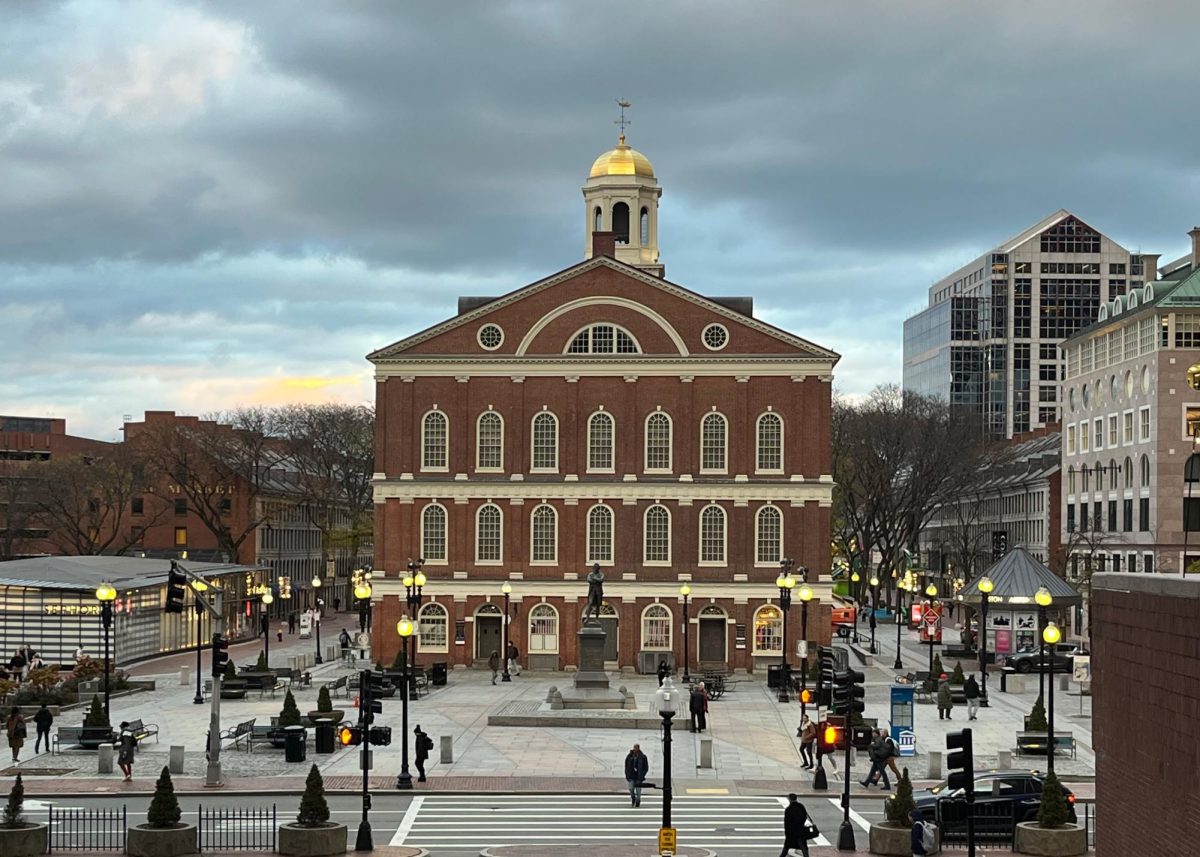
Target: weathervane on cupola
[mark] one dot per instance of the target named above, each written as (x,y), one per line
(622,122)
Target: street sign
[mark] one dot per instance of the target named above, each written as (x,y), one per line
(802,648)
(666,840)
(362,640)
(305,626)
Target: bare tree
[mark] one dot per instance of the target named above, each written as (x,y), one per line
(17,510)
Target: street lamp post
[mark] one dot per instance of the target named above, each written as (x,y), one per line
(874,608)
(1044,599)
(666,698)
(316,585)
(854,579)
(1050,635)
(106,594)
(362,592)
(405,629)
(785,582)
(805,595)
(507,590)
(414,582)
(685,591)
(266,627)
(198,586)
(931,590)
(985,592)
(901,588)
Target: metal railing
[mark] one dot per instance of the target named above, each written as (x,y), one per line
(1089,822)
(236,828)
(995,824)
(86,829)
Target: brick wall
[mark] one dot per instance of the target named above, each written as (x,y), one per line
(1146,714)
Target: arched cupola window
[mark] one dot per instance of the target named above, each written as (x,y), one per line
(597,219)
(645,226)
(620,222)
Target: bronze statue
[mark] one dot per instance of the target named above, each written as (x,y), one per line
(595,593)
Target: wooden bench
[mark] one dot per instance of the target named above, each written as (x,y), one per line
(72,736)
(1035,742)
(263,683)
(142,730)
(342,683)
(238,733)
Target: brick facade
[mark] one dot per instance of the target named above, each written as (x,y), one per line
(1146,695)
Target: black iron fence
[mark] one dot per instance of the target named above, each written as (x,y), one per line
(87,829)
(236,828)
(995,823)
(1088,819)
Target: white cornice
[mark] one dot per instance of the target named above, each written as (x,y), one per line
(686,492)
(593,366)
(529,591)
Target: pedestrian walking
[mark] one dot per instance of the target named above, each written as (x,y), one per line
(126,747)
(698,708)
(663,671)
(795,828)
(945,699)
(494,665)
(42,720)
(16,664)
(514,658)
(808,736)
(971,694)
(16,729)
(636,768)
(337,604)
(292,623)
(878,754)
(423,745)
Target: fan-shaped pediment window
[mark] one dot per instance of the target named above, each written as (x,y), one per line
(603,339)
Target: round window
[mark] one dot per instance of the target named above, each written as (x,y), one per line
(1128,383)
(491,336)
(1145,379)
(715,337)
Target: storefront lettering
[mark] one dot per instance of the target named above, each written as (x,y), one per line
(72,609)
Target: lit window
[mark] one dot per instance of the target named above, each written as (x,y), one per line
(770,443)
(768,630)
(543,630)
(544,534)
(433,628)
(488,524)
(434,437)
(769,535)
(600,534)
(712,443)
(657,532)
(545,441)
(600,442)
(489,453)
(433,533)
(181,537)
(712,535)
(658,442)
(656,628)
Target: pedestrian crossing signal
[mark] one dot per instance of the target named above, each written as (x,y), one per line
(806,696)
(832,738)
(350,736)
(220,655)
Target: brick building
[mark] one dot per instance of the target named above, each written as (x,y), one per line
(603,415)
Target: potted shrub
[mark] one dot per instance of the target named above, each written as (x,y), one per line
(1036,721)
(20,837)
(894,836)
(260,666)
(1053,834)
(325,709)
(312,834)
(958,677)
(96,728)
(938,669)
(163,834)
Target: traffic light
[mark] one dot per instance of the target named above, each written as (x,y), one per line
(806,696)
(848,693)
(371,687)
(220,655)
(832,738)
(176,585)
(827,667)
(380,736)
(349,736)
(961,763)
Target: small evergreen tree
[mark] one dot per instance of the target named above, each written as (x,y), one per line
(399,662)
(15,805)
(958,677)
(1054,811)
(1036,722)
(289,715)
(96,718)
(324,703)
(938,669)
(899,808)
(314,811)
(230,670)
(261,664)
(164,808)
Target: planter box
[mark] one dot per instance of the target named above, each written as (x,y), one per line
(890,840)
(32,840)
(298,841)
(1066,841)
(144,841)
(337,716)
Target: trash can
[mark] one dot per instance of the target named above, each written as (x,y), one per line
(325,736)
(437,674)
(774,676)
(293,743)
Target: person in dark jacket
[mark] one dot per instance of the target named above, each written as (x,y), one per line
(698,708)
(494,665)
(636,768)
(971,694)
(292,622)
(14,727)
(918,834)
(42,720)
(878,753)
(795,820)
(945,699)
(663,672)
(423,745)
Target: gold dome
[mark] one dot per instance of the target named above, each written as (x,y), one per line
(622,161)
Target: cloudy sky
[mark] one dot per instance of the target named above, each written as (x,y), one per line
(211,204)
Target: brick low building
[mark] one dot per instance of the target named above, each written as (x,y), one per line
(603,415)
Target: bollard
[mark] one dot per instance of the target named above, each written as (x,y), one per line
(447,742)
(706,753)
(935,765)
(1004,760)
(175,759)
(1064,682)
(105,759)
(185,676)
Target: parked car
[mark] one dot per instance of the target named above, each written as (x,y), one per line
(1062,656)
(1002,798)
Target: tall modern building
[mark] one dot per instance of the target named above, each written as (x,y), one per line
(989,339)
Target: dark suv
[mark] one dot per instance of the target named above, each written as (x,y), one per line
(1061,655)
(1002,798)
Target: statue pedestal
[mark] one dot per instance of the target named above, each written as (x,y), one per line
(591,688)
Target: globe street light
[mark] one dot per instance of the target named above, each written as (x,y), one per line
(1044,599)
(901,588)
(985,589)
(316,585)
(805,595)
(785,582)
(854,579)
(405,629)
(414,582)
(874,607)
(666,700)
(106,595)
(267,598)
(507,590)
(1050,635)
(931,591)
(198,586)
(685,591)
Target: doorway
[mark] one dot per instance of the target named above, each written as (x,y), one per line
(488,633)
(713,636)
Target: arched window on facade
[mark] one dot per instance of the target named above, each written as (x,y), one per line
(769,457)
(713,432)
(543,630)
(1145,471)
(488,529)
(601,438)
(597,219)
(600,534)
(433,628)
(545,442)
(656,549)
(603,339)
(656,628)
(543,542)
(1128,472)
(1087,477)
(1113,475)
(658,443)
(1071,479)
(645,226)
(768,536)
(620,222)
(435,437)
(489,447)
(712,535)
(433,533)
(768,630)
